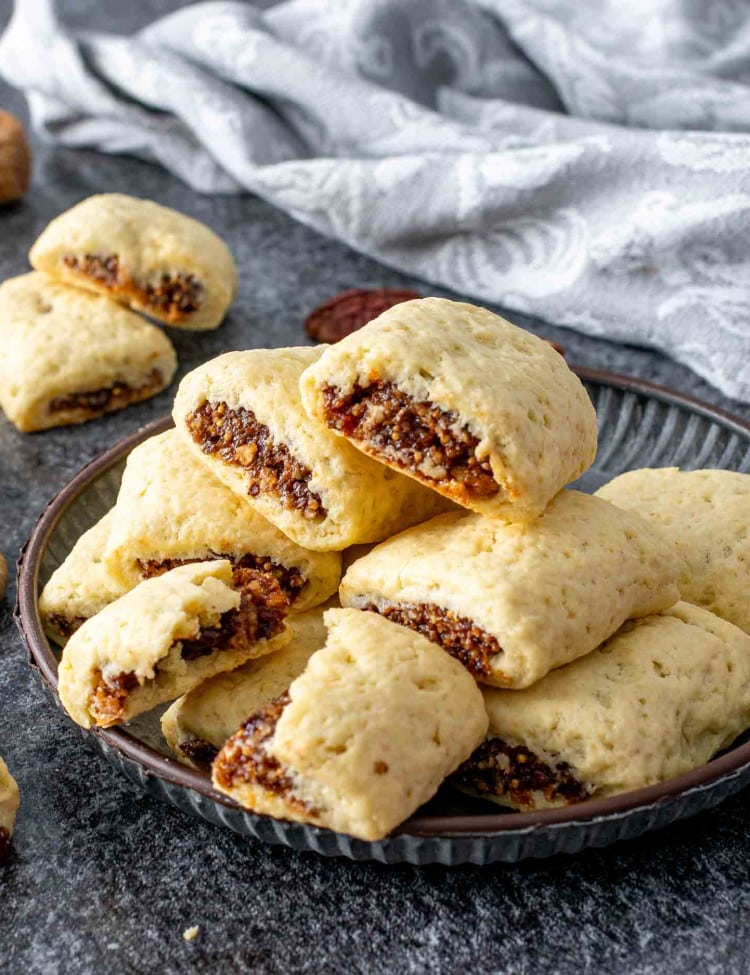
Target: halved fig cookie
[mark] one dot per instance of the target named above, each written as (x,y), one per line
(461,400)
(362,738)
(165,637)
(71,356)
(198,723)
(171,509)
(9,802)
(81,586)
(661,697)
(706,515)
(242,414)
(143,255)
(513,601)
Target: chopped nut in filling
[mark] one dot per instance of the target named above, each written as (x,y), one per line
(463,639)
(4,844)
(199,751)
(239,439)
(260,616)
(499,769)
(416,436)
(171,296)
(290,579)
(113,397)
(244,757)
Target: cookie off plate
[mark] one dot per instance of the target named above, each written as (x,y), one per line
(640,425)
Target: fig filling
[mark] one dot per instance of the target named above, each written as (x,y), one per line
(239,439)
(291,580)
(244,757)
(171,297)
(499,769)
(260,616)
(108,398)
(65,625)
(199,751)
(459,636)
(416,436)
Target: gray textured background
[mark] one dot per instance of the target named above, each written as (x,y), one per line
(105,880)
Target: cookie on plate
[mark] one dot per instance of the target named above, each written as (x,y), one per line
(199,722)
(71,356)
(659,698)
(143,255)
(707,516)
(513,601)
(9,801)
(456,397)
(171,509)
(166,636)
(81,586)
(362,738)
(242,414)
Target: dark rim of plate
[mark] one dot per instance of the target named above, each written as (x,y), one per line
(43,659)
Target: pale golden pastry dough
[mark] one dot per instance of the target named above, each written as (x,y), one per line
(197,724)
(81,586)
(9,802)
(242,415)
(71,356)
(513,601)
(172,508)
(144,255)
(659,698)
(136,652)
(479,409)
(707,516)
(370,729)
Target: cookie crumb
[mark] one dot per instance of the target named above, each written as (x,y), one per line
(190,934)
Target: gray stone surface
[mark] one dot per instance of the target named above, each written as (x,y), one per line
(103,879)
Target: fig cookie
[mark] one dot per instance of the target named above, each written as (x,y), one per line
(143,255)
(242,414)
(171,510)
(9,801)
(461,400)
(661,697)
(70,356)
(198,723)
(364,736)
(513,601)
(166,636)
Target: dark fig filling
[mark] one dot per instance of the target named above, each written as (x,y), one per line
(199,751)
(416,436)
(260,616)
(291,580)
(502,770)
(239,439)
(65,625)
(172,297)
(243,759)
(108,398)
(459,636)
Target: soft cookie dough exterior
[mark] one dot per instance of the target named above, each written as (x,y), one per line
(80,587)
(148,242)
(514,392)
(377,720)
(9,801)
(142,631)
(364,501)
(659,698)
(61,342)
(200,721)
(171,507)
(707,516)
(548,591)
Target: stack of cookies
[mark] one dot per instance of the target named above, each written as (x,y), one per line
(491,625)
(75,347)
